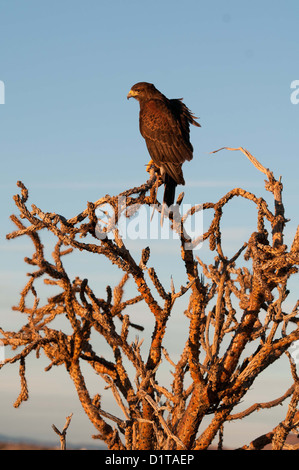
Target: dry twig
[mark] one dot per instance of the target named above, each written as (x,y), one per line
(62,434)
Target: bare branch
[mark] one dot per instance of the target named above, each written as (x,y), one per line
(62,434)
(238,320)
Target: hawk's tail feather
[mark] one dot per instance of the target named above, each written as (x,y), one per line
(169,194)
(169,190)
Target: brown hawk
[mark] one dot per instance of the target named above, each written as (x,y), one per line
(164,123)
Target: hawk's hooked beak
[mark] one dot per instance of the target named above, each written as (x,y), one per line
(132,94)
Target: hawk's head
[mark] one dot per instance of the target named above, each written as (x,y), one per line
(142,90)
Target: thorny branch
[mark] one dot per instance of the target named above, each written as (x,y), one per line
(238,321)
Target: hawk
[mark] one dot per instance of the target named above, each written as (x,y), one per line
(164,123)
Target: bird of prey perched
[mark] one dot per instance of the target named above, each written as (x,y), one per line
(164,123)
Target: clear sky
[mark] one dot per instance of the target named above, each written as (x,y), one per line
(69,133)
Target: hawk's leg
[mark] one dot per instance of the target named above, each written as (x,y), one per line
(149,166)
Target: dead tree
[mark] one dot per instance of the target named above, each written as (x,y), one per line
(228,304)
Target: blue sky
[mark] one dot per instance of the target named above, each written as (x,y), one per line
(69,133)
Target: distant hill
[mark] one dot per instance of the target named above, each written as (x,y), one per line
(7,443)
